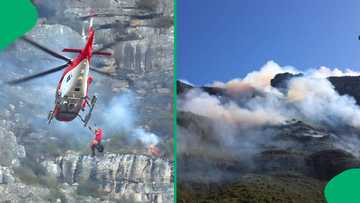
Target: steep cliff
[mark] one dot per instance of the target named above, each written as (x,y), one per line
(137,178)
(73,177)
(34,164)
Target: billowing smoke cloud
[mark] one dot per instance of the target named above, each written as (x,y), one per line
(324,72)
(243,120)
(311,98)
(320,103)
(210,106)
(120,116)
(146,137)
(257,79)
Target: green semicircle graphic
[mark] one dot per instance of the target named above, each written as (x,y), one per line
(344,188)
(16,18)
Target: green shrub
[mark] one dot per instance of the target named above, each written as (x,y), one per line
(26,175)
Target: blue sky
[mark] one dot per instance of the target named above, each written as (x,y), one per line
(222,40)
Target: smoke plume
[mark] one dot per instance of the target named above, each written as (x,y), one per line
(311,98)
(238,124)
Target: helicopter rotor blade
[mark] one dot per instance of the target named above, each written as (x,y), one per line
(106,46)
(45,49)
(101,72)
(37,75)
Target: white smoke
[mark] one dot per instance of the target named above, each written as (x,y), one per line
(260,113)
(146,137)
(120,116)
(324,72)
(311,98)
(257,79)
(244,119)
(318,101)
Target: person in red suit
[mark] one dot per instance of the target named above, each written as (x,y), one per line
(96,142)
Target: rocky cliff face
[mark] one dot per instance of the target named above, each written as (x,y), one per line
(11,188)
(347,85)
(33,164)
(108,177)
(136,178)
(10,151)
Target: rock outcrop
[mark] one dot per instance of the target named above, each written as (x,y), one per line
(140,36)
(10,150)
(11,153)
(280,81)
(347,85)
(136,178)
(326,164)
(182,88)
(112,177)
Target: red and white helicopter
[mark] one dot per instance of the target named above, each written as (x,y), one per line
(72,90)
